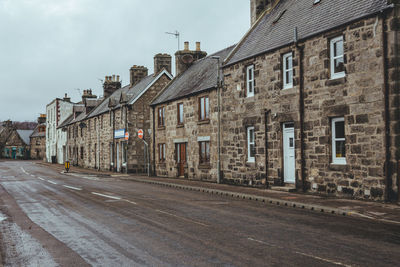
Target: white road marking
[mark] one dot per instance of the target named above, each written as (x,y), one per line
(73,188)
(51,182)
(134,203)
(40,178)
(322,259)
(33,175)
(182,218)
(23,170)
(301,253)
(107,196)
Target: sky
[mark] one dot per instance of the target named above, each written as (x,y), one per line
(52,47)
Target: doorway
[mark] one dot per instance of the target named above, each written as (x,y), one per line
(181,158)
(289,160)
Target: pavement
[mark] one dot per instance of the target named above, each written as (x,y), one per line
(383,212)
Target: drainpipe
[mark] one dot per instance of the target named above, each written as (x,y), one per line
(266,114)
(127,141)
(388,169)
(154,142)
(301,111)
(219,119)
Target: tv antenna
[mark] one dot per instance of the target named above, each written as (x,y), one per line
(177,35)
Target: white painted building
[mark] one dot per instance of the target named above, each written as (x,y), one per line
(57,111)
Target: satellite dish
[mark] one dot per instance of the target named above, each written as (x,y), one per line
(187,59)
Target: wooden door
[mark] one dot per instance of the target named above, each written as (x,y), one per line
(181,153)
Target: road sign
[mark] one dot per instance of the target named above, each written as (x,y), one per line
(126,136)
(67,166)
(140,133)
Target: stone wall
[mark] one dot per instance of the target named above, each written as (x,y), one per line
(189,133)
(38,148)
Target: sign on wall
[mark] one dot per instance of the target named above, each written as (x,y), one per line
(119,134)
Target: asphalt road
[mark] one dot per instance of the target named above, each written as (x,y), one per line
(50,219)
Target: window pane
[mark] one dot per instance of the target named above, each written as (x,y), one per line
(340,149)
(202,108)
(339,65)
(250,74)
(180,113)
(208,151)
(339,129)
(251,137)
(252,150)
(207,107)
(338,48)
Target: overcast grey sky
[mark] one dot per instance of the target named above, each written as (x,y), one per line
(52,47)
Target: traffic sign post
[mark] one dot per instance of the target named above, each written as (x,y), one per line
(126,136)
(67,164)
(147,158)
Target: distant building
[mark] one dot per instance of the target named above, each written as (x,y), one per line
(38,139)
(17,143)
(56,112)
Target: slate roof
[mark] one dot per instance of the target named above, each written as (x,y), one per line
(309,19)
(36,132)
(129,93)
(25,135)
(201,76)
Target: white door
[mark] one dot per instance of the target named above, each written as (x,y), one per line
(118,166)
(289,163)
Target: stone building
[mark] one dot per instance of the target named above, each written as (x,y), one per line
(38,139)
(96,135)
(185,118)
(56,112)
(17,144)
(312,104)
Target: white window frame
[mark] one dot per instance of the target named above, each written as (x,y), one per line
(250,82)
(286,69)
(336,75)
(249,157)
(337,160)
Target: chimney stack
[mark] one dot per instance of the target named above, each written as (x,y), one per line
(42,119)
(185,58)
(66,98)
(111,85)
(162,61)
(257,8)
(137,73)
(87,94)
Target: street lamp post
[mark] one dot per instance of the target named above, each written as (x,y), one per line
(219,119)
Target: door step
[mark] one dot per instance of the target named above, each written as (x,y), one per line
(284,188)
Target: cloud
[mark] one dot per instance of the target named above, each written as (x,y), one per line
(49,47)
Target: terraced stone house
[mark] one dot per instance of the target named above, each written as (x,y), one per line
(97,129)
(311,99)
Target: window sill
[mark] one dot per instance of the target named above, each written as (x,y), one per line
(180,125)
(288,87)
(336,81)
(203,122)
(204,166)
(338,167)
(161,127)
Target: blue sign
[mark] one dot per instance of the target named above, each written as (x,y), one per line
(119,134)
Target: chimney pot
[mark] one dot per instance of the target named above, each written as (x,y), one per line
(117,78)
(113,78)
(198,46)
(186,46)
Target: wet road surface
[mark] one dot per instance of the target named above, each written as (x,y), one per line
(51,219)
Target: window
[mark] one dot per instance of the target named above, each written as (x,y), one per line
(161,152)
(337,58)
(250,81)
(180,113)
(338,141)
(251,145)
(81,152)
(204,106)
(204,152)
(288,70)
(95,124)
(161,117)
